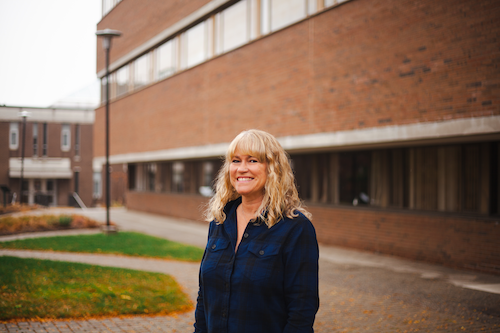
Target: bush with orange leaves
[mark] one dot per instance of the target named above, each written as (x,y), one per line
(30,223)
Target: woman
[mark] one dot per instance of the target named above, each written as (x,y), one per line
(259,272)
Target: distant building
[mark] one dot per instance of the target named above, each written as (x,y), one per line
(389,110)
(57,155)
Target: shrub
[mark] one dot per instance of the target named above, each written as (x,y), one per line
(65,220)
(29,223)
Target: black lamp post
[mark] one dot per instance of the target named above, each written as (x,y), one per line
(107,35)
(24,115)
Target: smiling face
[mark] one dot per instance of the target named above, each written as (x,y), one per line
(248,175)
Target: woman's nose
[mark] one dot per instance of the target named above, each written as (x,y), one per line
(243,166)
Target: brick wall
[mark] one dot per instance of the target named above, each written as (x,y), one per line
(359,65)
(451,240)
(4,154)
(85,162)
(63,191)
(176,205)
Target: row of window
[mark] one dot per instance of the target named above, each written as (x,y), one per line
(192,177)
(14,138)
(453,178)
(228,29)
(107,5)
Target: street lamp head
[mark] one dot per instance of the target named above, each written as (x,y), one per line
(24,114)
(108,34)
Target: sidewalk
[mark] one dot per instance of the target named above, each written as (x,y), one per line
(360,292)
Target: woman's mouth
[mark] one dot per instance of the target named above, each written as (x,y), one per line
(244,179)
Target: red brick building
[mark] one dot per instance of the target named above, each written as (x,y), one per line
(390,111)
(57,155)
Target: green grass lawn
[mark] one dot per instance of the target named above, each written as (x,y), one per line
(126,243)
(31,288)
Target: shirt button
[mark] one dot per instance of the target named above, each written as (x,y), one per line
(261,252)
(214,246)
(245,235)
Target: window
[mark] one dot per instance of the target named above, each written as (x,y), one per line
(312,7)
(208,176)
(195,45)
(14,136)
(97,185)
(286,12)
(447,178)
(131,176)
(178,177)
(77,140)
(232,27)
(65,137)
(35,139)
(142,71)
(44,140)
(76,179)
(151,176)
(329,3)
(107,5)
(166,59)
(122,81)
(354,171)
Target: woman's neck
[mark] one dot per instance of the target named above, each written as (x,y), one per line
(249,206)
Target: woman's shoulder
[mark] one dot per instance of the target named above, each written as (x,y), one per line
(299,217)
(299,231)
(299,221)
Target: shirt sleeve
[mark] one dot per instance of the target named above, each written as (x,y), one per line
(301,256)
(200,324)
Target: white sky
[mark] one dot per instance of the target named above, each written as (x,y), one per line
(47,49)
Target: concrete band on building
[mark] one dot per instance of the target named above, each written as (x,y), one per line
(390,112)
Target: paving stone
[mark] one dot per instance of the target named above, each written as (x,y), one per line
(357,293)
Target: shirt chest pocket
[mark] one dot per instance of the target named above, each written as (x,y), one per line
(215,249)
(263,260)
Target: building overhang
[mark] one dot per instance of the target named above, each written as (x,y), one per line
(48,115)
(44,168)
(441,132)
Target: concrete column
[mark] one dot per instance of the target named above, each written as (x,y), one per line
(334,178)
(484,200)
(31,191)
(452,171)
(314,178)
(442,166)
(411,180)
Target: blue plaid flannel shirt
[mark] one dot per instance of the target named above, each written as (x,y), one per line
(269,286)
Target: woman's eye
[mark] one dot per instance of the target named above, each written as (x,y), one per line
(235,161)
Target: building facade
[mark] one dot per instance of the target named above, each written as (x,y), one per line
(57,159)
(390,111)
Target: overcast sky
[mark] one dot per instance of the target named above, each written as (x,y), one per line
(47,49)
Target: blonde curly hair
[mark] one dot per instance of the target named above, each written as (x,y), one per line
(280,193)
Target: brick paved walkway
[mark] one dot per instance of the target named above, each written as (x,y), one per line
(359,292)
